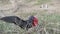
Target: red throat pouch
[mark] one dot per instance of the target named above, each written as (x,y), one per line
(35,21)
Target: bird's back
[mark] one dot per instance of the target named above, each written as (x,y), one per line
(10,19)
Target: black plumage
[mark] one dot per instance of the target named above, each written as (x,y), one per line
(24,24)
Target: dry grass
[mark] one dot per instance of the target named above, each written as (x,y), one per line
(49,23)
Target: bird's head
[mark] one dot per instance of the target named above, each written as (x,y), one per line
(34,20)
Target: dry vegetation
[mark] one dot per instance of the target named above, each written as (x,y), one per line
(49,17)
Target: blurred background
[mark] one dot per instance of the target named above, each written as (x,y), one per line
(47,12)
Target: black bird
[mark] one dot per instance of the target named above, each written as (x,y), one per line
(24,24)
